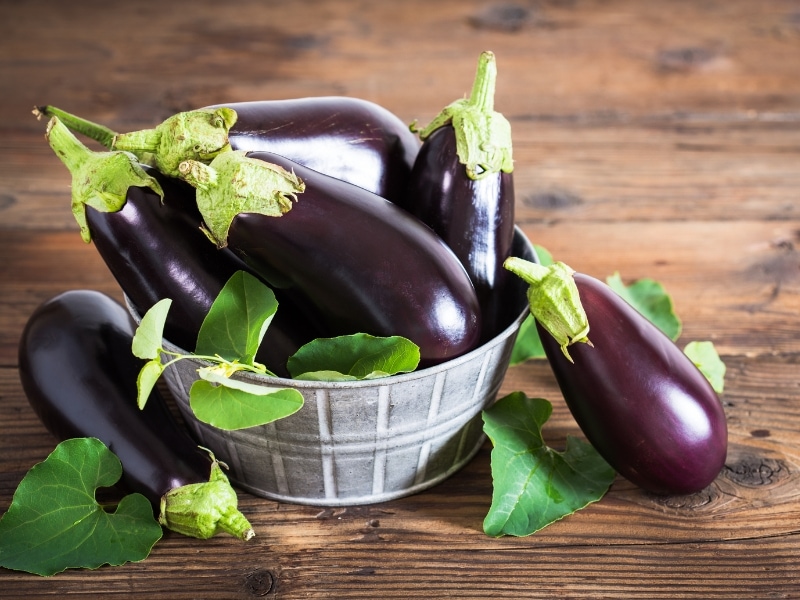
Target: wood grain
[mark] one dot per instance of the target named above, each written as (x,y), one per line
(651,139)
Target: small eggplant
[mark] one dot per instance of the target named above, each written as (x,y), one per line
(640,401)
(462,187)
(79,374)
(360,260)
(347,138)
(155,249)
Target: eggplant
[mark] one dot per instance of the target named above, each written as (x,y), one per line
(155,249)
(640,401)
(462,186)
(79,375)
(347,138)
(362,262)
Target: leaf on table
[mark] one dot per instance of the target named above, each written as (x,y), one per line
(651,299)
(238,319)
(704,355)
(226,407)
(534,485)
(55,523)
(147,340)
(350,357)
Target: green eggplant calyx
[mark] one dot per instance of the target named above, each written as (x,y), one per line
(554,300)
(99,179)
(199,135)
(233,184)
(483,136)
(201,510)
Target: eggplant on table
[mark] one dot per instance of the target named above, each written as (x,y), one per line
(79,375)
(462,187)
(365,264)
(347,138)
(146,228)
(640,401)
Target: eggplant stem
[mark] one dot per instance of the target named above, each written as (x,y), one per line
(94,131)
(483,136)
(192,135)
(233,184)
(99,179)
(554,300)
(68,148)
(482,95)
(201,510)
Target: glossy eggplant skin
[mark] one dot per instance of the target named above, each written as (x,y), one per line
(639,400)
(347,138)
(79,375)
(156,250)
(363,263)
(474,217)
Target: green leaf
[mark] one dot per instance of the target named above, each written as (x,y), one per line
(528,344)
(534,485)
(229,408)
(544,256)
(651,299)
(54,522)
(146,381)
(147,340)
(357,356)
(221,374)
(238,319)
(704,355)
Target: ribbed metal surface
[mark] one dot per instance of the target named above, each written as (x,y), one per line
(364,441)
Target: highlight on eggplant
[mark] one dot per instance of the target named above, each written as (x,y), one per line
(640,401)
(79,375)
(381,272)
(462,186)
(348,138)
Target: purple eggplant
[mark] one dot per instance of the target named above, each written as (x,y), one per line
(79,374)
(362,262)
(155,249)
(347,138)
(462,187)
(640,401)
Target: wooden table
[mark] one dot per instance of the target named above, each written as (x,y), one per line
(654,139)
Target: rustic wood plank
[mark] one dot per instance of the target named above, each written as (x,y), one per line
(685,544)
(563,58)
(654,139)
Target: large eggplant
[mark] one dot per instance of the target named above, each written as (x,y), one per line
(347,138)
(462,186)
(155,249)
(79,374)
(365,264)
(640,401)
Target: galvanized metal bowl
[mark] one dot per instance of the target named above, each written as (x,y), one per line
(361,442)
